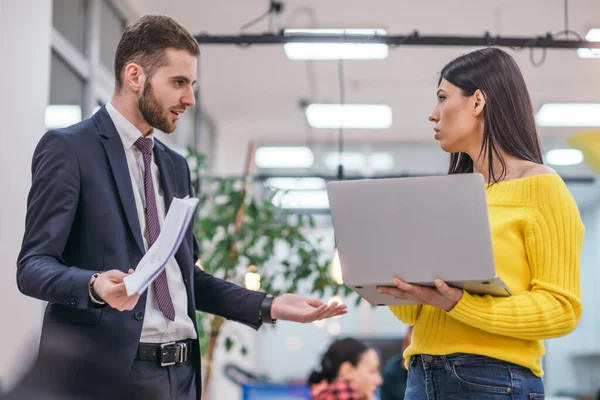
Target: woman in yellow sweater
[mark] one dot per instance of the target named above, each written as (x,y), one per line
(483,347)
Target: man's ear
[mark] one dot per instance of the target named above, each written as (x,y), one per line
(133,77)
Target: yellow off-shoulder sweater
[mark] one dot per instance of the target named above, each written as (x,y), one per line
(537,235)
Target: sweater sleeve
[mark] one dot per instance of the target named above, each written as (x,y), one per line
(407,314)
(552,307)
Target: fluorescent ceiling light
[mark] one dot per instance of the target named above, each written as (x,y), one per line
(302,200)
(350,116)
(569,114)
(353,160)
(284,157)
(309,183)
(593,35)
(335,51)
(62,115)
(564,157)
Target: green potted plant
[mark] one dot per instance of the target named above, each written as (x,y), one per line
(247,239)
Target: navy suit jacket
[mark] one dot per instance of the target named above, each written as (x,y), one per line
(81,218)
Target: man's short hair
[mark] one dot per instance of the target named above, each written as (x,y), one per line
(146,41)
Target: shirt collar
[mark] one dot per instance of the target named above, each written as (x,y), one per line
(129,132)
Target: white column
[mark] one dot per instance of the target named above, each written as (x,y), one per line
(25,32)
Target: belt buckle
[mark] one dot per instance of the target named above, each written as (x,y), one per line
(163,354)
(183,352)
(180,353)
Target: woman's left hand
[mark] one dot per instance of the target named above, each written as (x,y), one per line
(442,296)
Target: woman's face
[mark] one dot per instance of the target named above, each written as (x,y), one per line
(366,374)
(458,119)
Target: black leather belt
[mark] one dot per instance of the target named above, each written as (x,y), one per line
(165,354)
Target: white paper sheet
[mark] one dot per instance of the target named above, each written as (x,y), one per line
(177,221)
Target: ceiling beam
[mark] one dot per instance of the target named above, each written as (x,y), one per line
(415,39)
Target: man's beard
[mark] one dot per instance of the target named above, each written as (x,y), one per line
(152,110)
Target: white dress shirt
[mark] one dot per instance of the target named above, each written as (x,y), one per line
(156,327)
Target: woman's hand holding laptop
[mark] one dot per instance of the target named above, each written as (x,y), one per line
(442,296)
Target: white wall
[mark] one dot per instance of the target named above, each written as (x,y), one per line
(24,82)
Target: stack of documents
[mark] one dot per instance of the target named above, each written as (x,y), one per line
(177,221)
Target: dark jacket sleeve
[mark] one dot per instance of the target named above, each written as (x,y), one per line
(219,297)
(51,209)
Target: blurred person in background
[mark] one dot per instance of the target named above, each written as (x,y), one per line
(395,373)
(349,371)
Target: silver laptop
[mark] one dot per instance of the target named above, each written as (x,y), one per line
(418,229)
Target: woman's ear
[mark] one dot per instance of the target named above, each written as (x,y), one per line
(479,102)
(345,371)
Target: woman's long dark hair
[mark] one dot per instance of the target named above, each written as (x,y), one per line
(341,351)
(509,123)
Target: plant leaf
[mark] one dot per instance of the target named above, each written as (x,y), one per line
(229,343)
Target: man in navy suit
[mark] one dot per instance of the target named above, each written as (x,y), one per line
(100,192)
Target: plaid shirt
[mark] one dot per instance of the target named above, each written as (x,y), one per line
(339,390)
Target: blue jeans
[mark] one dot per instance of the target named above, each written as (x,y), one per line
(470,377)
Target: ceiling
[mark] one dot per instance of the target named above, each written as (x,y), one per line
(256,90)
(253,93)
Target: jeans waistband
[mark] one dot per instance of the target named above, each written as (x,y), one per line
(448,361)
(456,358)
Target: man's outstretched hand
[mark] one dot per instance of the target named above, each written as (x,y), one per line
(291,307)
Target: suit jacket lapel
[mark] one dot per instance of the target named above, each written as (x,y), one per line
(111,141)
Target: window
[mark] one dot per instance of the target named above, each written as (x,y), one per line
(111,28)
(85,36)
(69,18)
(66,95)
